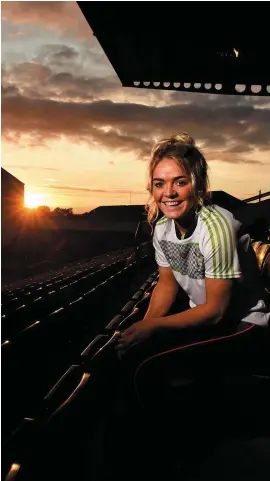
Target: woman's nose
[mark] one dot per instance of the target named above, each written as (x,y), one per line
(170,191)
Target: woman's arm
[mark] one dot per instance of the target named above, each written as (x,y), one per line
(218,294)
(221,268)
(163,295)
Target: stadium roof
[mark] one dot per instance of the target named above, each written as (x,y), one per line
(189,46)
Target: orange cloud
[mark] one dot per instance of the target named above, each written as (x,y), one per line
(133,127)
(40,104)
(80,190)
(66,17)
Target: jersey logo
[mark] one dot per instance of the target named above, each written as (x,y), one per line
(186,259)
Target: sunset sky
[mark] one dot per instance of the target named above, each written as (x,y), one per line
(77,138)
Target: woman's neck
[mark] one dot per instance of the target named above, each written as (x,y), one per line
(186,224)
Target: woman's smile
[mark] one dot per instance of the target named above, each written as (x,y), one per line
(172,189)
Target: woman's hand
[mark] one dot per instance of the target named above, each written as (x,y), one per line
(138,332)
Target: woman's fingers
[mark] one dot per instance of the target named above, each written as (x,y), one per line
(126,336)
(127,333)
(126,340)
(122,344)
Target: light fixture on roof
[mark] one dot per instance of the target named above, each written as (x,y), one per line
(240,88)
(256,88)
(236,52)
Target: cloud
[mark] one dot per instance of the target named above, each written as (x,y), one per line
(79,190)
(23,74)
(65,17)
(226,156)
(9,91)
(34,80)
(133,127)
(76,60)
(53,97)
(29,167)
(52,76)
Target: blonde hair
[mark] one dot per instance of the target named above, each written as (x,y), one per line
(181,148)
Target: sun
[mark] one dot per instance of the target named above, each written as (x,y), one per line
(32,200)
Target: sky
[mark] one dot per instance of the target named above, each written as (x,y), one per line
(78,139)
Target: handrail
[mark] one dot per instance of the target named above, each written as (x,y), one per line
(256,197)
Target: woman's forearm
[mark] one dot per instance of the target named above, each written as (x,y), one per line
(161,300)
(203,314)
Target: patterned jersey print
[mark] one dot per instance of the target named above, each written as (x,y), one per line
(186,259)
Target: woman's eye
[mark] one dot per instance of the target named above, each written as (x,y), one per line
(158,184)
(181,183)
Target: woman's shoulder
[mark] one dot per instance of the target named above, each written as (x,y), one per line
(215,213)
(162,220)
(214,217)
(162,226)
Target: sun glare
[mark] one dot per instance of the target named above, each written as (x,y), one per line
(32,200)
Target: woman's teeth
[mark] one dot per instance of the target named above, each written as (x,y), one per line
(172,203)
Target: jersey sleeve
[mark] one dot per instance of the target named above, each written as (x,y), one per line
(159,254)
(219,248)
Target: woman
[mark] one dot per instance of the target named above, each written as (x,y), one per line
(203,250)
(198,246)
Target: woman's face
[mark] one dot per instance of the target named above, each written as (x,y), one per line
(172,189)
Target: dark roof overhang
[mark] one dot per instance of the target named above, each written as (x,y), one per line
(188,46)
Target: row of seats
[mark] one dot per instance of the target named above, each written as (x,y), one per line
(54,297)
(73,392)
(70,412)
(136,305)
(36,357)
(23,295)
(66,274)
(209,385)
(66,268)
(262,251)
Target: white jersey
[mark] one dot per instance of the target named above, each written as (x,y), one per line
(214,250)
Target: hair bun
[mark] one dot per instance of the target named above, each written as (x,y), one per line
(183,138)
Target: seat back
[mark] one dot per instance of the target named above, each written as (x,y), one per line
(262,251)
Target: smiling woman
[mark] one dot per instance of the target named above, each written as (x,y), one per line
(33,200)
(200,248)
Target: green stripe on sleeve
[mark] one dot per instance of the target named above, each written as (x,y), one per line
(230,241)
(162,220)
(225,245)
(211,234)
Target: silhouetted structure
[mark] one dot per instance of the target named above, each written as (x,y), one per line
(123,218)
(225,200)
(255,215)
(12,205)
(180,57)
